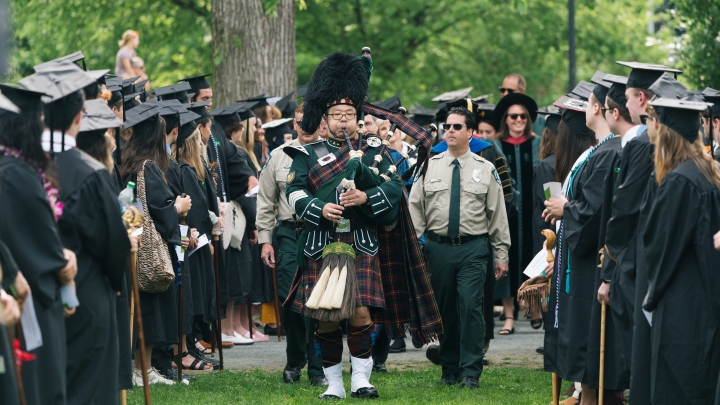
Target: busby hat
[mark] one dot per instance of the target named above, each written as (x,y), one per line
(342,78)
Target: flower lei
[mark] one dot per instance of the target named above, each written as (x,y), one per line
(51,192)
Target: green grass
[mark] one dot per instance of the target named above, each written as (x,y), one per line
(412,384)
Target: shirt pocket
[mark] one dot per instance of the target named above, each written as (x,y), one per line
(437,194)
(473,197)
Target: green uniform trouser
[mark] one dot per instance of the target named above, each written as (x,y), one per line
(457,274)
(299,330)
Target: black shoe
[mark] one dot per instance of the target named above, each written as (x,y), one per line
(397,346)
(416,344)
(270,331)
(485,361)
(379,368)
(318,380)
(291,376)
(367,392)
(496,314)
(433,354)
(171,374)
(540,350)
(449,379)
(198,355)
(502,317)
(470,382)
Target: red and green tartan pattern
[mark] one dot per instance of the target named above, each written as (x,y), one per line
(319,175)
(369,282)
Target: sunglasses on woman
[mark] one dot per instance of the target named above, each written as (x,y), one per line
(456,127)
(644,118)
(516,116)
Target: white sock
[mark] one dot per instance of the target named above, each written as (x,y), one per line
(335,381)
(361,370)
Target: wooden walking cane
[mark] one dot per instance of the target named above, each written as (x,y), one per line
(278,320)
(18,370)
(217,338)
(181,299)
(141,333)
(601,384)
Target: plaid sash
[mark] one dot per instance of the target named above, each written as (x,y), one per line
(409,297)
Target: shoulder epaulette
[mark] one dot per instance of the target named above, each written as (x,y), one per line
(294,150)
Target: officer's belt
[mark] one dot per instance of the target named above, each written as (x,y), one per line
(291,225)
(446,239)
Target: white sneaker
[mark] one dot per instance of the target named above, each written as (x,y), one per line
(156,378)
(137,379)
(243,340)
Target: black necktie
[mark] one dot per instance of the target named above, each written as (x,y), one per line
(454,223)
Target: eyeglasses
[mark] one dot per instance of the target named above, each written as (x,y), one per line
(506,90)
(299,122)
(644,118)
(339,115)
(456,127)
(605,109)
(516,116)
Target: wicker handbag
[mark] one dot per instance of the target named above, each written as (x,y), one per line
(154,268)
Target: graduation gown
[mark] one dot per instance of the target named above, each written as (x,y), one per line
(8,379)
(91,227)
(199,281)
(159,311)
(617,373)
(31,234)
(641,353)
(578,240)
(683,285)
(544,173)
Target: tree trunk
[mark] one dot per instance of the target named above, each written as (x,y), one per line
(253,53)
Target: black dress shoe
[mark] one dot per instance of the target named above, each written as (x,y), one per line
(416,343)
(270,331)
(291,376)
(485,361)
(367,392)
(171,374)
(540,350)
(502,317)
(397,346)
(449,379)
(379,368)
(470,382)
(433,354)
(319,381)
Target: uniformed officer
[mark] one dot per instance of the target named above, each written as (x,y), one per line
(287,226)
(457,250)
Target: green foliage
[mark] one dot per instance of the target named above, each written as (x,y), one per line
(698,23)
(416,384)
(175,38)
(425,47)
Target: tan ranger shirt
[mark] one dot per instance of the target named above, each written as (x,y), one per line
(271,194)
(482,204)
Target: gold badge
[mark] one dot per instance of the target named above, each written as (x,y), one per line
(290,177)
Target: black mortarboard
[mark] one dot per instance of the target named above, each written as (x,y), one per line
(576,121)
(227,115)
(113,81)
(197,82)
(569,103)
(72,58)
(170,110)
(510,100)
(26,100)
(392,103)
(57,81)
(177,91)
(287,106)
(129,101)
(275,136)
(617,89)
(100,76)
(142,113)
(302,90)
(423,116)
(259,100)
(552,118)
(469,105)
(453,95)
(484,99)
(712,96)
(187,126)
(643,75)
(682,116)
(602,86)
(667,87)
(582,90)
(200,108)
(140,86)
(7,105)
(116,94)
(97,115)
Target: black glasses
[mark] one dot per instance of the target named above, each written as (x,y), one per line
(605,109)
(516,116)
(339,115)
(506,90)
(299,122)
(644,118)
(456,127)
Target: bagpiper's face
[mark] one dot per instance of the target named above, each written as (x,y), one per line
(341,117)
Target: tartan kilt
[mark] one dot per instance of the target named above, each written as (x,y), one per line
(369,281)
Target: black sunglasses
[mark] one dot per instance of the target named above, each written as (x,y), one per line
(504,90)
(515,116)
(456,127)
(605,109)
(644,118)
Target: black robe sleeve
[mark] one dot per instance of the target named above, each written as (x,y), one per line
(161,203)
(198,216)
(29,229)
(238,172)
(669,233)
(582,213)
(91,224)
(544,173)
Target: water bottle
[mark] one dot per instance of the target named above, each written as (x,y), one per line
(127,196)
